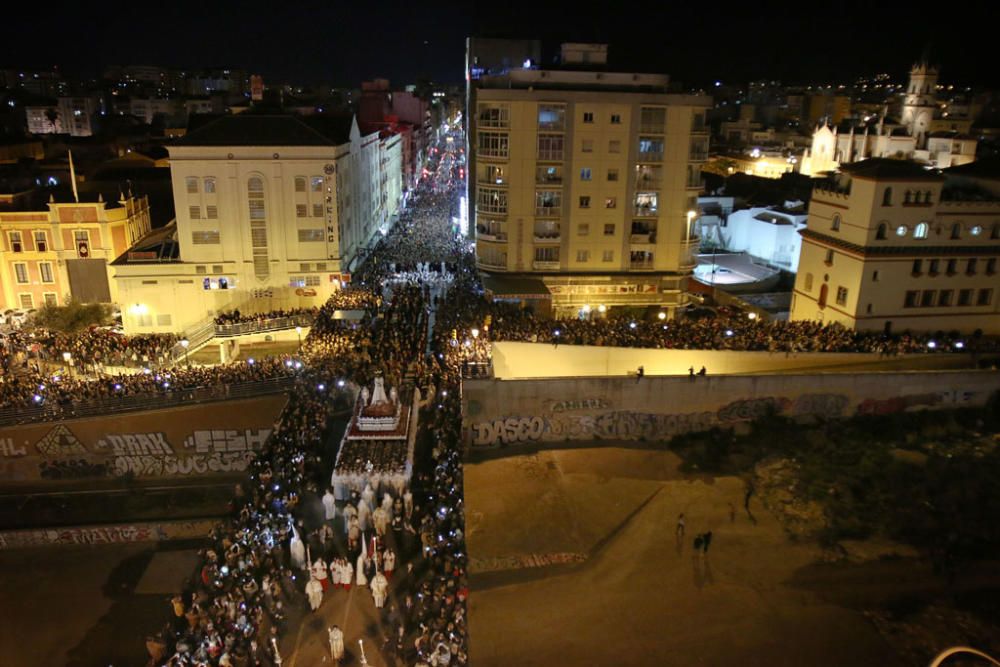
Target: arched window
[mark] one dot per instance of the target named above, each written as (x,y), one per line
(882,232)
(835,225)
(927,197)
(209,184)
(907,197)
(920,232)
(300,183)
(823,293)
(887,197)
(258,227)
(956,231)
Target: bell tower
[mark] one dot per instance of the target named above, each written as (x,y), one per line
(919,103)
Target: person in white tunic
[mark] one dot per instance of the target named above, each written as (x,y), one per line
(381,520)
(380,586)
(362,580)
(336,643)
(319,572)
(387,505)
(298,549)
(368,496)
(349,513)
(314,591)
(335,573)
(408,504)
(389,562)
(364,515)
(329,505)
(346,573)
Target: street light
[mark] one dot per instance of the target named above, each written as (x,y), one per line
(184,343)
(662,315)
(690,216)
(68,358)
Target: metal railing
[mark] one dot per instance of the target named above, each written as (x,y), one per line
(263,326)
(169,397)
(477,369)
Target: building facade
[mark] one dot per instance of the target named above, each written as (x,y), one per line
(587,181)
(892,246)
(272,212)
(50,256)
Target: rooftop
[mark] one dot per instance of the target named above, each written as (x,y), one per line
(249,129)
(985,168)
(158,246)
(890,170)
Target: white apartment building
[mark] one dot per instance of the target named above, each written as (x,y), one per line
(272,212)
(585,182)
(893,246)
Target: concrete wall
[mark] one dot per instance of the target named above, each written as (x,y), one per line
(498,412)
(537,360)
(201,440)
(106,534)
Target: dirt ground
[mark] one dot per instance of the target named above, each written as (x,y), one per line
(575,561)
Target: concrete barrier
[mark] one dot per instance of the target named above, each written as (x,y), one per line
(524,412)
(159,531)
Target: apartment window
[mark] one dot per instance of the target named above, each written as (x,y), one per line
(652,119)
(927,298)
(616,119)
(841,296)
(300,183)
(145,320)
(952,267)
(991,266)
(944,297)
(584,201)
(583,229)
(547,202)
(835,224)
(985,297)
(887,197)
(191,182)
(588,116)
(615,146)
(610,202)
(26,300)
(312,281)
(874,276)
(933,268)
(995,231)
(650,149)
(200,270)
(910,301)
(881,232)
(970,268)
(317,211)
(41,241)
(868,309)
(15,242)
(490,116)
(809,282)
(583,255)
(918,267)
(956,231)
(829,257)
(316,184)
(608,256)
(205,237)
(164,319)
(612,174)
(494,144)
(494,174)
(965,297)
(50,299)
(920,232)
(301,210)
(194,212)
(585,174)
(310,235)
(82,239)
(45,271)
(587,145)
(551,117)
(21,273)
(550,147)
(209,185)
(609,229)
(547,254)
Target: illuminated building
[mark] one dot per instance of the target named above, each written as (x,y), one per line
(891,245)
(584,182)
(272,212)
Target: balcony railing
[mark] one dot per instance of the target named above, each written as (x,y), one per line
(548,180)
(689,250)
(487,263)
(491,210)
(641,265)
(698,155)
(547,236)
(486,180)
(651,128)
(548,211)
(264,325)
(645,211)
(545,265)
(642,237)
(650,156)
(550,155)
(491,236)
(491,154)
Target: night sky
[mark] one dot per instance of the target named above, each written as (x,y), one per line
(344,43)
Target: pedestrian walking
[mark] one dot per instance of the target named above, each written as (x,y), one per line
(702,372)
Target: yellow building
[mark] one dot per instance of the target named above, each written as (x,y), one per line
(893,246)
(64,250)
(586,183)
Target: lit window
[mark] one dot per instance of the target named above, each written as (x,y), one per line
(920,231)
(209,185)
(317,183)
(585,174)
(901,230)
(841,296)
(976,230)
(610,202)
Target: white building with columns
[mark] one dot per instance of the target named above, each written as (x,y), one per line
(272,212)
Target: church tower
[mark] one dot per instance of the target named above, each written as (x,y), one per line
(919,103)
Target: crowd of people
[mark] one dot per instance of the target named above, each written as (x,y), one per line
(236,317)
(92,348)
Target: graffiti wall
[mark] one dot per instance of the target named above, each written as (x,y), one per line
(111,534)
(209,439)
(510,412)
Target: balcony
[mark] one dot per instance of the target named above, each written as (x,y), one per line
(651,128)
(642,238)
(548,211)
(546,155)
(488,263)
(640,265)
(491,235)
(547,237)
(650,156)
(542,178)
(689,252)
(486,179)
(545,265)
(644,211)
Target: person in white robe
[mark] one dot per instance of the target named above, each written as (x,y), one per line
(389,562)
(298,549)
(380,587)
(314,591)
(336,636)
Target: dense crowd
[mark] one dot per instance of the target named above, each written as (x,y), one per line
(276,556)
(236,317)
(93,348)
